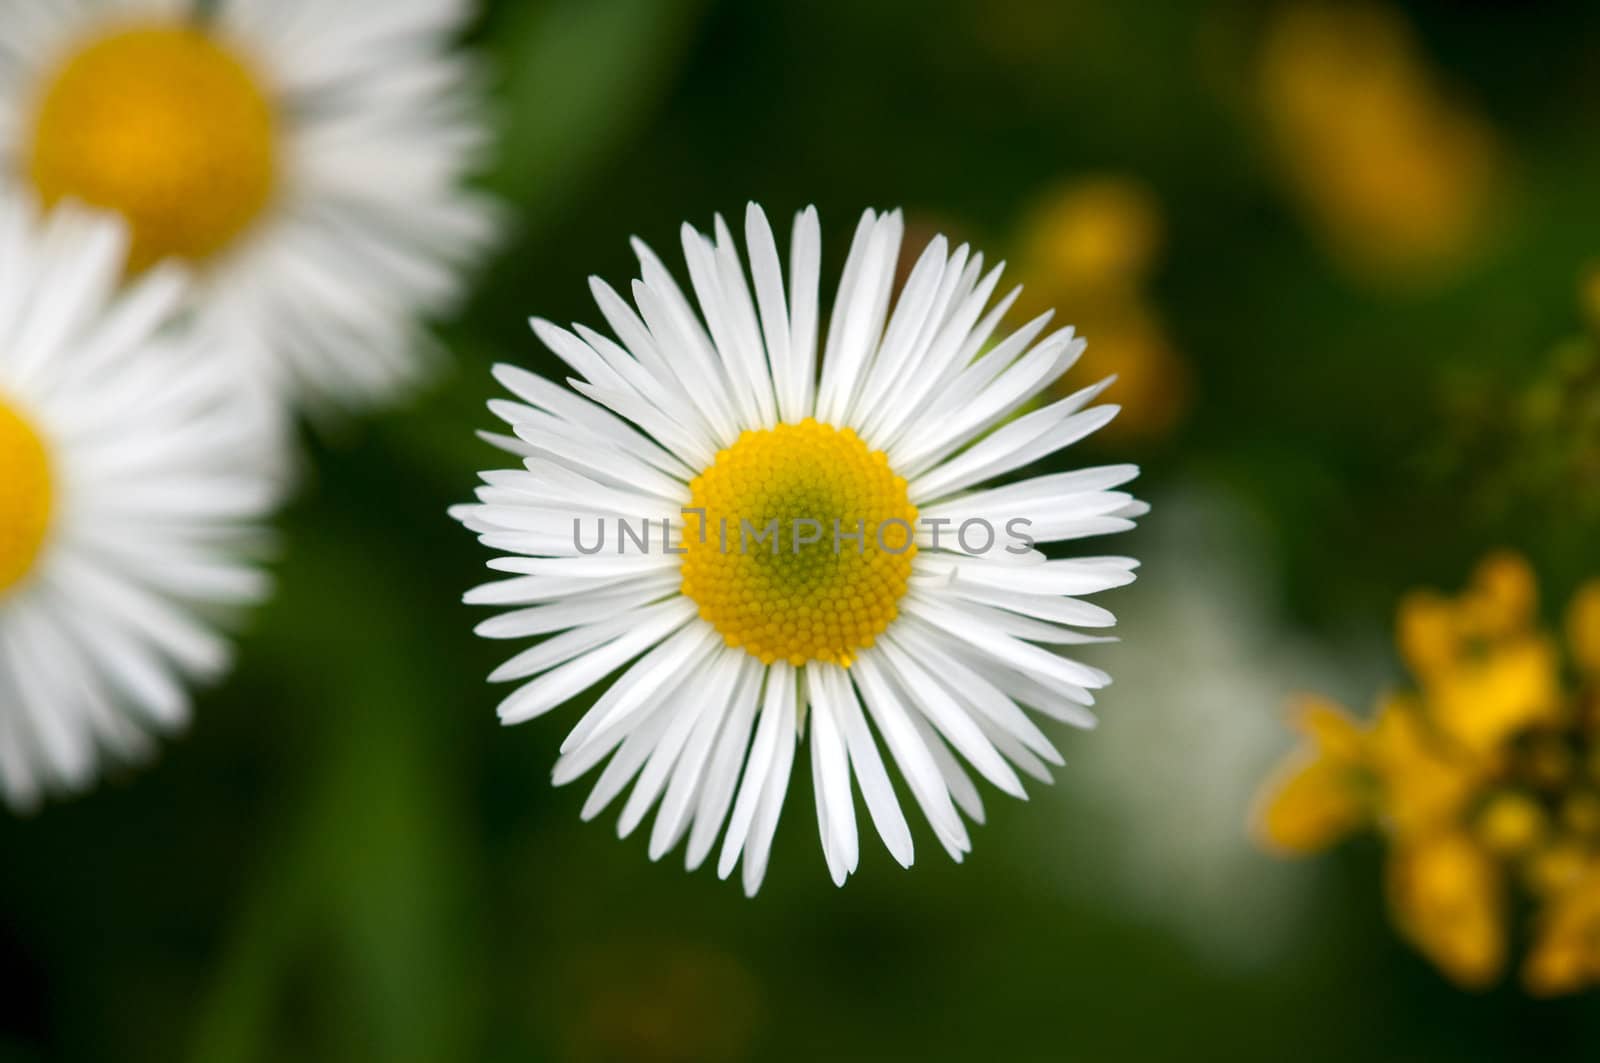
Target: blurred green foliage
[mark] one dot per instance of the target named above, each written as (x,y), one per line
(348,858)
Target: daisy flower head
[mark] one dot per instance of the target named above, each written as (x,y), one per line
(130,495)
(761,545)
(304,159)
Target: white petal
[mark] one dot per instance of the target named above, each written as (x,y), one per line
(835,807)
(770,731)
(722,774)
(758,846)
(911,753)
(882,804)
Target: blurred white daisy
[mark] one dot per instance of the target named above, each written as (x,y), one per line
(725,654)
(1164,793)
(129,494)
(304,158)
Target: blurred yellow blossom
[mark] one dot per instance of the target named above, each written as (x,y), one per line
(1087,249)
(1556,868)
(1324,793)
(1485,668)
(1098,233)
(1484,779)
(1490,698)
(1425,782)
(1583,629)
(1565,956)
(1511,824)
(1397,177)
(1448,899)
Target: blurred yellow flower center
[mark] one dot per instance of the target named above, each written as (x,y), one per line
(25,495)
(804,546)
(164,125)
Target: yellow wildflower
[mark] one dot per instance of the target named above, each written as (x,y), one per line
(1504,596)
(1399,178)
(1511,824)
(1426,632)
(1094,233)
(1324,793)
(1583,628)
(1088,247)
(1486,701)
(1566,951)
(1556,868)
(1436,633)
(1484,669)
(1447,896)
(1485,778)
(1426,783)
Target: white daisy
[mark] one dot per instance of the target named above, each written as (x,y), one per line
(304,158)
(730,652)
(129,495)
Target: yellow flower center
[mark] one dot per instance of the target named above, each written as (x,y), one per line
(804,546)
(25,495)
(164,125)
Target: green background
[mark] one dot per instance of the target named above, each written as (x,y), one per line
(347,858)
